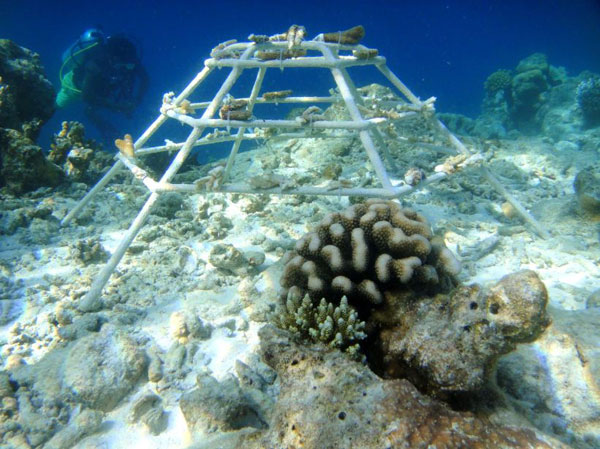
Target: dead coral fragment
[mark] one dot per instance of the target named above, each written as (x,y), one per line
(350,37)
(277,95)
(365,53)
(185,107)
(270,55)
(450,342)
(220,51)
(414,176)
(125,146)
(294,36)
(311,114)
(212,180)
(258,38)
(235,110)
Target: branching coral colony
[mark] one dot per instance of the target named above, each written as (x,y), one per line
(337,51)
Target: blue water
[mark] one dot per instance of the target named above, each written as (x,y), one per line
(440,48)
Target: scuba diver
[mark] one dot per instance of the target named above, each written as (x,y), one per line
(104,72)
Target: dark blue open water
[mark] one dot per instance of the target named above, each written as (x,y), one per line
(441,48)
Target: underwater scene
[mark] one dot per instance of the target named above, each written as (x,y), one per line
(285,225)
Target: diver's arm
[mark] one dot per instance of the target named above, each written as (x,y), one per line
(142,75)
(93,88)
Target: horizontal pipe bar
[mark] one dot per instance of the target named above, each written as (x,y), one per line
(261,100)
(320,191)
(319,124)
(247,136)
(303,62)
(200,142)
(306,190)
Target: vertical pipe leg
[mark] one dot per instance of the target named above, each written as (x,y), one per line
(364,135)
(238,141)
(375,133)
(138,144)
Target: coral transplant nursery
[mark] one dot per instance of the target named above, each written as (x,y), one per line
(289,235)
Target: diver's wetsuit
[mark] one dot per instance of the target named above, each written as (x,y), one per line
(106,82)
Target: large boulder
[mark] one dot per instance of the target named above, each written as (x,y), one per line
(26,102)
(327,400)
(25,92)
(23,166)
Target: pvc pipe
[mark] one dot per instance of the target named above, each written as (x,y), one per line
(365,137)
(238,140)
(303,62)
(359,124)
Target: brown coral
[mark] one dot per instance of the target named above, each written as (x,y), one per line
(125,146)
(235,110)
(350,37)
(366,250)
(277,95)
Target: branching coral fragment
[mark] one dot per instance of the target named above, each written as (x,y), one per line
(351,36)
(125,146)
(338,327)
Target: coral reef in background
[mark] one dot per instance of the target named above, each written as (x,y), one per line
(23,165)
(25,92)
(26,102)
(518,101)
(588,100)
(500,80)
(536,99)
(531,80)
(81,159)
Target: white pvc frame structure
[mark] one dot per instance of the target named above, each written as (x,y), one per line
(239,57)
